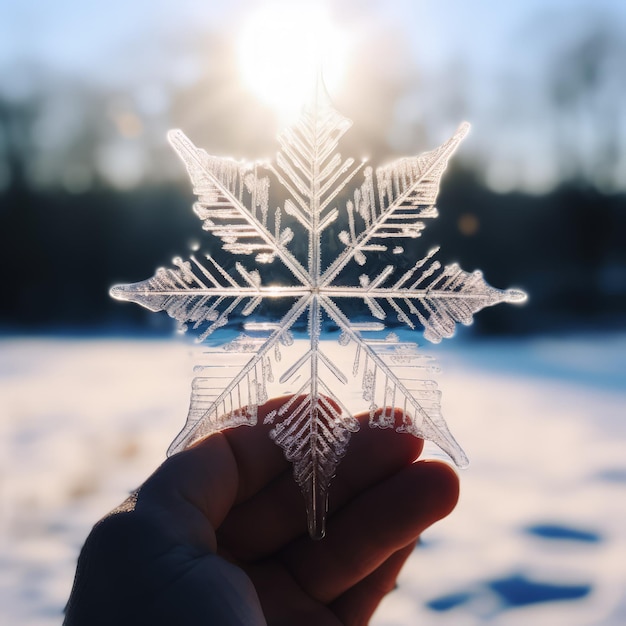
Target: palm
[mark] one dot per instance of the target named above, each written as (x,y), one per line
(229,505)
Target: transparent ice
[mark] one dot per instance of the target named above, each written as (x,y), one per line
(357,293)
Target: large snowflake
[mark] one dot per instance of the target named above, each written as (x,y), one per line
(294,291)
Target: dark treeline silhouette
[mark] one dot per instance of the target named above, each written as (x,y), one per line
(565,248)
(91,195)
(61,253)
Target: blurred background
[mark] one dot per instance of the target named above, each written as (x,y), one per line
(91,194)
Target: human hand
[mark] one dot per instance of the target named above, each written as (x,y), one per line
(217,535)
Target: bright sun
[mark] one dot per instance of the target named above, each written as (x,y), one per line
(281,49)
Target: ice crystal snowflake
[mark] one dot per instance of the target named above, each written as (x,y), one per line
(386,212)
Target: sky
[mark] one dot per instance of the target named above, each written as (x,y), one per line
(76,36)
(111,42)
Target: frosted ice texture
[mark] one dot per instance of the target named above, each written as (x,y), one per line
(386,212)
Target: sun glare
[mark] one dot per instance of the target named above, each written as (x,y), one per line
(281,49)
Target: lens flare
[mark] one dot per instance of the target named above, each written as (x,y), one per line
(281,49)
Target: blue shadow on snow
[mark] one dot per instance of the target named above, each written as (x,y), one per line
(614,475)
(513,591)
(517,590)
(562,533)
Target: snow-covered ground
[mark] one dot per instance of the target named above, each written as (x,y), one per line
(539,536)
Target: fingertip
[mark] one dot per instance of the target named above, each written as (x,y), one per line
(443,487)
(386,428)
(391,513)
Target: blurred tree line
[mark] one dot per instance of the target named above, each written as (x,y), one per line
(91,195)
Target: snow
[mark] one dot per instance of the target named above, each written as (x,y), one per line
(538,536)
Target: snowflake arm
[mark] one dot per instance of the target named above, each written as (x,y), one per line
(311,170)
(219,400)
(222,185)
(200,296)
(393,203)
(379,363)
(314,435)
(428,296)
